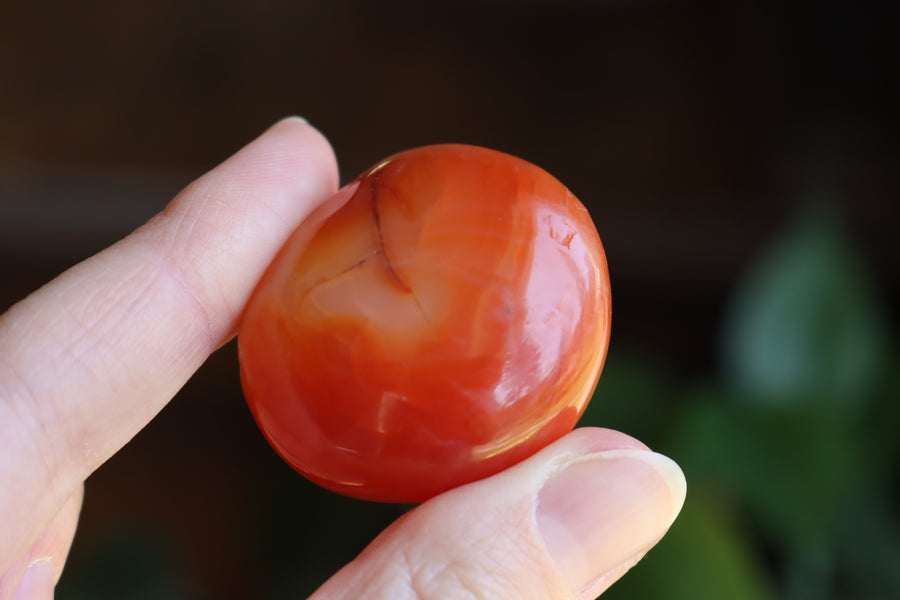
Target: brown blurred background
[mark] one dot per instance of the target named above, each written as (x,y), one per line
(692,130)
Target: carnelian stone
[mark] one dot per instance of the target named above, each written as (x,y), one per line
(449,320)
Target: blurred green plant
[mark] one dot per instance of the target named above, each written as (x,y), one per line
(790,454)
(805,326)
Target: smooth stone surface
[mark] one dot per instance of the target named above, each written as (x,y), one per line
(448,321)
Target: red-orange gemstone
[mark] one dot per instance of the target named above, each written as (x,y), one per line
(448,321)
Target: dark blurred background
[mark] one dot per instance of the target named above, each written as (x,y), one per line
(739,159)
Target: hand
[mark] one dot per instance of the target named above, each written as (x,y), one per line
(90,358)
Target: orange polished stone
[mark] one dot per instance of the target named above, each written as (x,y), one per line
(446,322)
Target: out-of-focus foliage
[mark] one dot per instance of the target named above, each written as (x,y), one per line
(804,327)
(791,452)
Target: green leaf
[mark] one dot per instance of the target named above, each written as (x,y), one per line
(792,467)
(870,548)
(805,325)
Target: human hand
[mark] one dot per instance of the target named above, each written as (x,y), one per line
(90,358)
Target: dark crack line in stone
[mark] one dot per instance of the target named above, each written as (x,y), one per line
(380,238)
(383,251)
(356,265)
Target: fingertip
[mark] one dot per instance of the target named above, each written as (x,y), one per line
(224,229)
(310,144)
(561,524)
(587,440)
(294,118)
(600,513)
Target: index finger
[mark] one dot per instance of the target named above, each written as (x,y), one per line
(90,358)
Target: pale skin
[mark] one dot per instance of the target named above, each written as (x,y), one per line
(90,358)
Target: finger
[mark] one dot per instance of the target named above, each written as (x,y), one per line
(565,523)
(34,575)
(90,358)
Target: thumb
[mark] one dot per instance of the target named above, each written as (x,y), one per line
(563,524)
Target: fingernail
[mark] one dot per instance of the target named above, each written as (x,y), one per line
(603,510)
(37,582)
